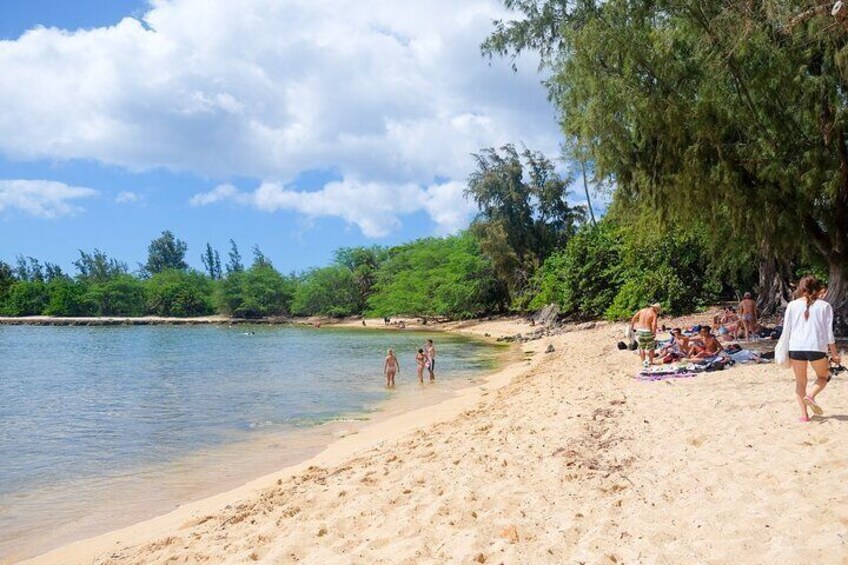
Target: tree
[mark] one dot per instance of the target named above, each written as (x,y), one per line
(259,258)
(166,252)
(437,277)
(98,266)
(29,269)
(329,291)
(178,293)
(523,215)
(255,293)
(363,263)
(212,263)
(730,112)
(234,265)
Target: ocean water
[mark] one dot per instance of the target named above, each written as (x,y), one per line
(104,426)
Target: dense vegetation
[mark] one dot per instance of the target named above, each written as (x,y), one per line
(728,112)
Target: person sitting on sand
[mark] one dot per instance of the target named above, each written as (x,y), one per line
(707,345)
(680,343)
(748,313)
(728,322)
(644,323)
(421,361)
(391,368)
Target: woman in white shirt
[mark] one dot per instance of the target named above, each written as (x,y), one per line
(808,325)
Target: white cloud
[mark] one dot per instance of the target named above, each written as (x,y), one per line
(128,197)
(41,198)
(373,207)
(219,193)
(388,94)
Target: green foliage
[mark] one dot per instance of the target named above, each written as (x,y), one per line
(98,266)
(26,298)
(68,298)
(166,253)
(329,291)
(584,278)
(436,277)
(254,293)
(730,113)
(614,270)
(179,294)
(524,215)
(122,295)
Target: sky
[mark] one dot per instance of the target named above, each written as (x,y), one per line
(298,126)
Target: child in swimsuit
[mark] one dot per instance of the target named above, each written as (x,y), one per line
(391,368)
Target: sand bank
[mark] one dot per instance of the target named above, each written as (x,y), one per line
(560,458)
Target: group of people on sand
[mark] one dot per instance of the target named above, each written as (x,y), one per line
(425,359)
(806,338)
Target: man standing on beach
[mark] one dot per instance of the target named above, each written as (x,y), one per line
(644,323)
(748,312)
(430,352)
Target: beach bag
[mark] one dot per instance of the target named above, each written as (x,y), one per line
(781,352)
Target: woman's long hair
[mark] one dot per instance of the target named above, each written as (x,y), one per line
(809,287)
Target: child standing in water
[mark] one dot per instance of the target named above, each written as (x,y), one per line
(391,368)
(421,360)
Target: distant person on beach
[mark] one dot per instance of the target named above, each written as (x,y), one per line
(707,346)
(421,361)
(748,313)
(391,367)
(644,323)
(808,325)
(430,352)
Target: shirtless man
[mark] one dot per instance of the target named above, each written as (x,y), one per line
(644,323)
(430,352)
(708,345)
(748,313)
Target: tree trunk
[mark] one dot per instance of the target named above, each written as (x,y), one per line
(837,295)
(774,291)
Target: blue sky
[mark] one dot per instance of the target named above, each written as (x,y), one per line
(298,128)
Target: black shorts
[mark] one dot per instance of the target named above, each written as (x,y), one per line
(807,355)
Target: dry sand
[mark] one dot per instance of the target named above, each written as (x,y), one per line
(563,458)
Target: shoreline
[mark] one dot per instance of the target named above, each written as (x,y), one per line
(323,437)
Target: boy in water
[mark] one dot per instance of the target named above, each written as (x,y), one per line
(421,360)
(430,352)
(391,368)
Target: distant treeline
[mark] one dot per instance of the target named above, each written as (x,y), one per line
(527,248)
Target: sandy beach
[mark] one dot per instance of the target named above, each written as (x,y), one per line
(561,457)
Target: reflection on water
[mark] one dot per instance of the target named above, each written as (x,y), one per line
(169,414)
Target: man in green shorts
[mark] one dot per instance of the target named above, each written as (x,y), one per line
(644,323)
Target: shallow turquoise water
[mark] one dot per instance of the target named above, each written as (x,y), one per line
(88,406)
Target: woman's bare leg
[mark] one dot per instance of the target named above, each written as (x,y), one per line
(800,370)
(821,369)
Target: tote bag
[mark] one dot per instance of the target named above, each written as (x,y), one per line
(781,352)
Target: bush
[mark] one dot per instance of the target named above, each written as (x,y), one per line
(585,277)
(437,277)
(69,298)
(612,271)
(26,298)
(330,291)
(179,293)
(255,293)
(123,295)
